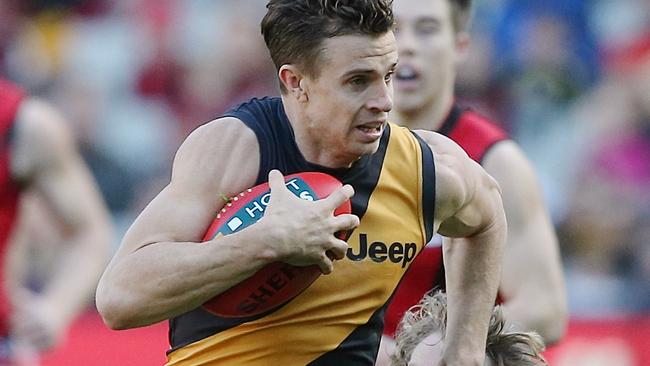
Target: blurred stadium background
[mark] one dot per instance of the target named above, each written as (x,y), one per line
(569,79)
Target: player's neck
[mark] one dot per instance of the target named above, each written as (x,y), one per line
(430,117)
(313,149)
(315,152)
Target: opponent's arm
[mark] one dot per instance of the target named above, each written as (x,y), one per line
(470,211)
(532,281)
(46,160)
(161,270)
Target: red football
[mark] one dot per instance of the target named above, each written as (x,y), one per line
(278,282)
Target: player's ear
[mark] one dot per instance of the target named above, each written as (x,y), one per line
(293,81)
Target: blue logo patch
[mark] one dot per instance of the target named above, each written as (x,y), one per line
(254,210)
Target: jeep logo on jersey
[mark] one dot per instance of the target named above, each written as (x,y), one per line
(378,251)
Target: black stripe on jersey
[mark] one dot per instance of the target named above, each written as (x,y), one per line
(451,120)
(360,347)
(365,180)
(428,187)
(266,117)
(199,324)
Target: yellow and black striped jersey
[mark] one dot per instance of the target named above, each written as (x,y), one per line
(338,320)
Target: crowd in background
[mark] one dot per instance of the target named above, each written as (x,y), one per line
(569,79)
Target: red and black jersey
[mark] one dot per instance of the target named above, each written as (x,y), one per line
(10,99)
(476,135)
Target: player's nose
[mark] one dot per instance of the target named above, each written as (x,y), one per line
(382,101)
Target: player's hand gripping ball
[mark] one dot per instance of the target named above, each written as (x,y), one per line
(277,282)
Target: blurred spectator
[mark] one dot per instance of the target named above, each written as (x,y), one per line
(147,72)
(609,217)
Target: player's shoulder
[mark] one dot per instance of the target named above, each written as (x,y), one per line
(471,128)
(226,150)
(507,153)
(218,132)
(441,145)
(256,110)
(257,103)
(219,138)
(222,152)
(457,175)
(481,137)
(453,166)
(501,151)
(510,166)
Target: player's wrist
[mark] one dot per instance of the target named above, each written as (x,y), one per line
(462,356)
(462,360)
(269,237)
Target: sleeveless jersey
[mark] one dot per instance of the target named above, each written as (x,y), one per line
(10,98)
(476,135)
(339,318)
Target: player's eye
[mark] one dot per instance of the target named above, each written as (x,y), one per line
(427,28)
(359,81)
(389,77)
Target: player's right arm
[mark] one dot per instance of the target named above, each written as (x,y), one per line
(161,270)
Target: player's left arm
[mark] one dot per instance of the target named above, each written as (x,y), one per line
(469,211)
(532,282)
(45,158)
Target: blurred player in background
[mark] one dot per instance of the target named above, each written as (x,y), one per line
(37,154)
(432,37)
(421,334)
(335,61)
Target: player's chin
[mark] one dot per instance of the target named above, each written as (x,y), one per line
(364,148)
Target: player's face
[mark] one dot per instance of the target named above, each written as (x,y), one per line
(428,50)
(349,101)
(429,352)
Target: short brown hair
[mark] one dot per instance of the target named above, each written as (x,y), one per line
(295,29)
(504,348)
(460,14)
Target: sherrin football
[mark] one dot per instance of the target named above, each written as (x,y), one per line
(278,282)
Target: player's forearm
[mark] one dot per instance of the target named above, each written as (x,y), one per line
(532,283)
(538,307)
(545,316)
(473,267)
(83,259)
(536,301)
(165,279)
